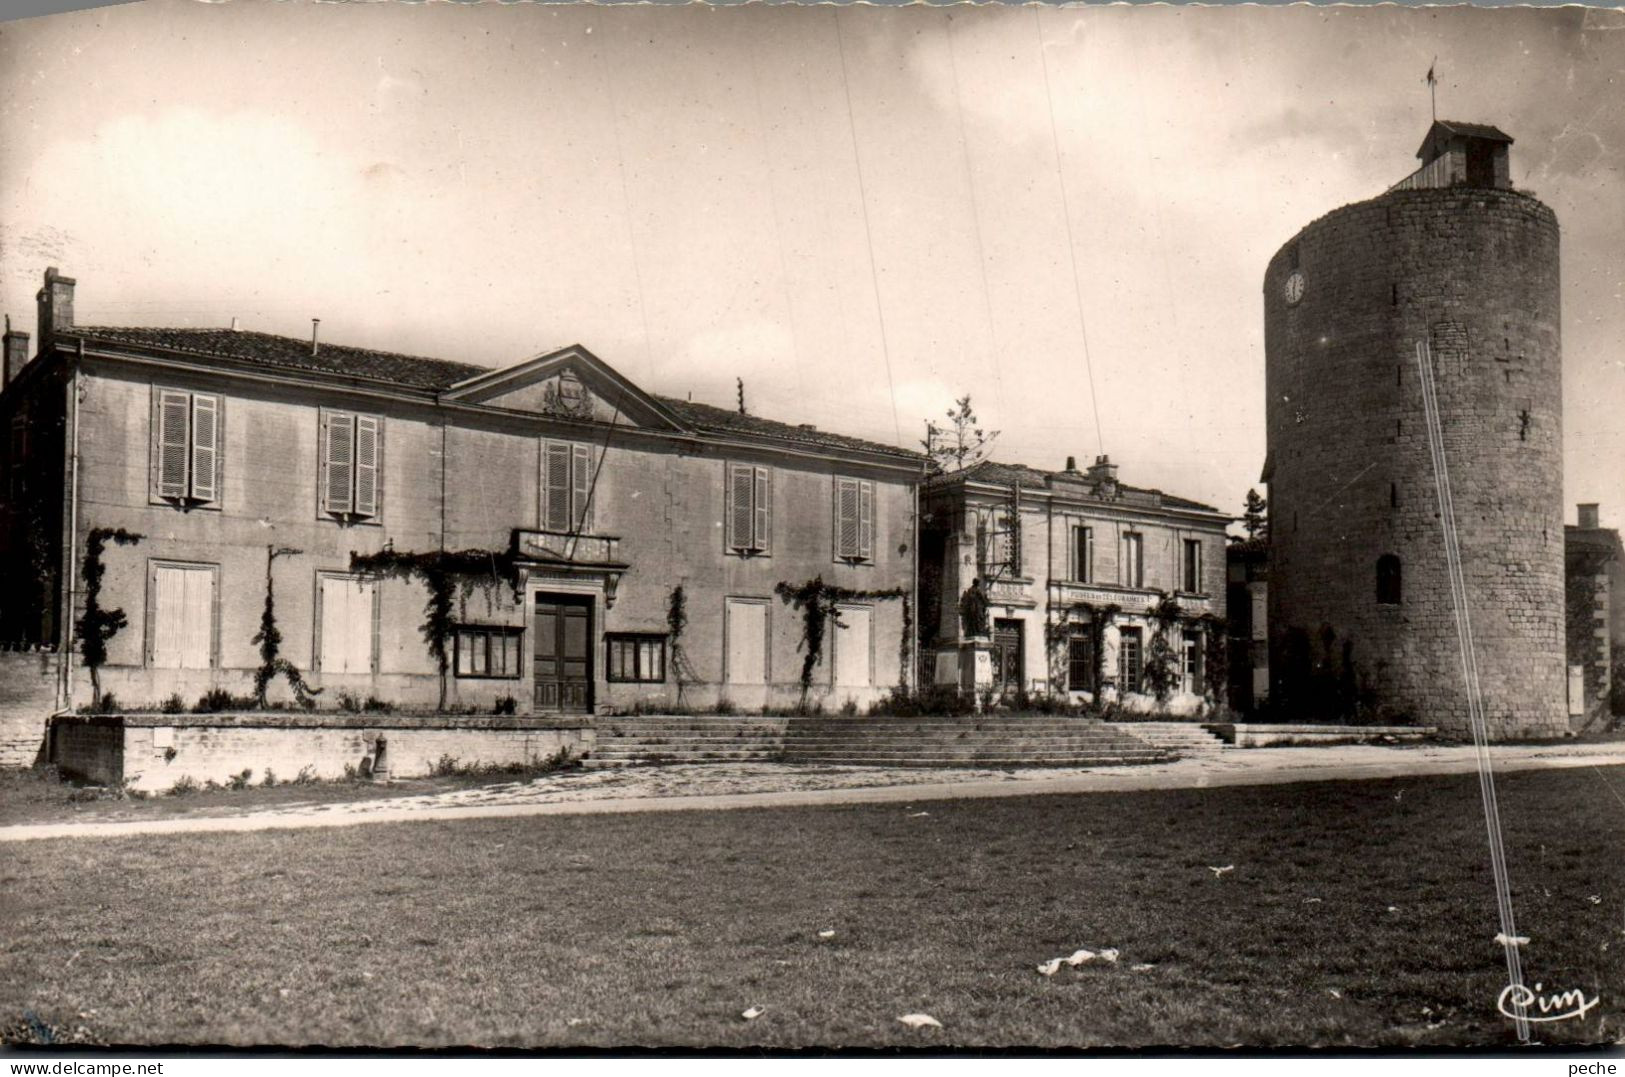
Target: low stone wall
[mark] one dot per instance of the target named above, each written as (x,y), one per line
(27,698)
(1259,736)
(151,752)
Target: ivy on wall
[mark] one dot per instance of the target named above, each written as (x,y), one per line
(269,639)
(819,603)
(442,573)
(96,626)
(676,623)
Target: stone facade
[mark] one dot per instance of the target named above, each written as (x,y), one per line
(1594,570)
(1044,593)
(463,459)
(1472,273)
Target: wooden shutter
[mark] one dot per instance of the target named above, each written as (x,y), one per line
(168,616)
(581,486)
(866,520)
(205,447)
(764,509)
(556,486)
(197,648)
(338,462)
(846,518)
(171,421)
(739,507)
(368,436)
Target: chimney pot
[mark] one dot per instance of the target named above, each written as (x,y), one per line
(1072,463)
(1588,516)
(16,354)
(55,301)
(234,323)
(315,327)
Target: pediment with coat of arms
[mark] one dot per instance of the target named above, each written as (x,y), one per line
(570,383)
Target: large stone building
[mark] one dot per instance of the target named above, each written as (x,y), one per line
(1595,569)
(1455,270)
(1092,587)
(246,461)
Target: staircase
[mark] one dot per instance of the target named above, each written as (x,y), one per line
(686,739)
(968,741)
(1182,738)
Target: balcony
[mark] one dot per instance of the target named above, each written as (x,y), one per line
(595,550)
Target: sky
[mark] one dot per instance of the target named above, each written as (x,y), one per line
(864,213)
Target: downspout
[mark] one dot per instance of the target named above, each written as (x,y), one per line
(913,680)
(65,698)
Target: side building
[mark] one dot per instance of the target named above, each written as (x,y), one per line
(611,548)
(1093,589)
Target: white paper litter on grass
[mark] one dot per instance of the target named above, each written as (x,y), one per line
(920,1020)
(753,1013)
(830,934)
(1144,966)
(1050,967)
(1220,871)
(1515,940)
(1595,899)
(1311,901)
(919,815)
(1334,992)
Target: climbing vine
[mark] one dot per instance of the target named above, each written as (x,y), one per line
(442,573)
(819,604)
(269,638)
(96,626)
(1161,669)
(1098,618)
(903,651)
(676,623)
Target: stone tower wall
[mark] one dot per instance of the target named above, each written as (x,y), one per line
(1474,271)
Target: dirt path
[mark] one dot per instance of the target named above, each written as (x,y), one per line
(721,786)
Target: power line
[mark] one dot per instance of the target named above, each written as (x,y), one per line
(863,201)
(1071,244)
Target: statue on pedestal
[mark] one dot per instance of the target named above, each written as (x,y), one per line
(973,607)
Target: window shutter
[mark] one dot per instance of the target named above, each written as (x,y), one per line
(764,509)
(739,507)
(866,520)
(197,647)
(338,462)
(172,420)
(556,486)
(205,447)
(846,518)
(169,616)
(367,438)
(581,482)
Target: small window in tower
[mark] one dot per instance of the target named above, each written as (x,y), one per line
(1393,297)
(1389,589)
(1393,494)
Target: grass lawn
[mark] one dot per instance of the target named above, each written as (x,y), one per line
(659,929)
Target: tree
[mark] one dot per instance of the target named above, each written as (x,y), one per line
(959,444)
(1254,519)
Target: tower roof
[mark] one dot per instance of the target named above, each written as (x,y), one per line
(1465,130)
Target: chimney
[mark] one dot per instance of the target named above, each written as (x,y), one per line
(1072,465)
(1102,470)
(234,323)
(315,326)
(55,308)
(1588,517)
(16,354)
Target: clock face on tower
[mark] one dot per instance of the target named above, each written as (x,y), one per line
(1294,287)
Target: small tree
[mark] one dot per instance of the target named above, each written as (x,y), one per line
(959,444)
(1254,519)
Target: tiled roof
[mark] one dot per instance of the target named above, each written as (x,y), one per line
(1474,130)
(1009,474)
(723,421)
(292,353)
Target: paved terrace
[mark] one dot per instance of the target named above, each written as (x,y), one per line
(718,786)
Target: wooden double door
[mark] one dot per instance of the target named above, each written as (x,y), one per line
(562,653)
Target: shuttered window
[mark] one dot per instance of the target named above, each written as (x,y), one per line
(854,520)
(854,648)
(347,624)
(187,445)
(750,508)
(352,465)
(566,487)
(1083,554)
(181,630)
(1133,560)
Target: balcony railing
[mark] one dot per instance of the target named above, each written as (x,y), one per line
(564,546)
(1445,171)
(1064,593)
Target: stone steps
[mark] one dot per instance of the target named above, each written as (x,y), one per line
(1183,737)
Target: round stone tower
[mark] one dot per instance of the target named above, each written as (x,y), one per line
(1453,264)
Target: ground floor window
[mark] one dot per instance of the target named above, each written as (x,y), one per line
(1192,662)
(745,640)
(487,651)
(636,657)
(1130,658)
(1080,663)
(854,647)
(347,624)
(181,616)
